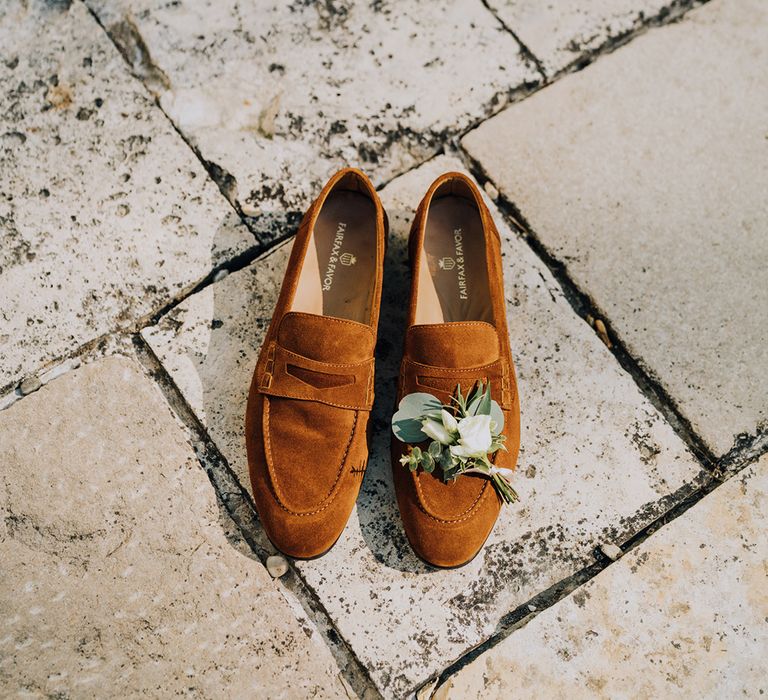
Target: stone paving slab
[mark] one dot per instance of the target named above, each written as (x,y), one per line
(565,32)
(120,575)
(646,175)
(683,615)
(597,463)
(281,94)
(105,214)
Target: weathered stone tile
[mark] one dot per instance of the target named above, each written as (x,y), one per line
(561,33)
(209,344)
(646,175)
(120,574)
(597,460)
(105,213)
(683,615)
(280,94)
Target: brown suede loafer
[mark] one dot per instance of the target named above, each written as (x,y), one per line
(312,390)
(457,334)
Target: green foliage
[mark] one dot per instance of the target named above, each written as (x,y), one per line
(407,421)
(465,446)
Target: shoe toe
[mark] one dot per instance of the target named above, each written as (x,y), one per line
(304,536)
(440,535)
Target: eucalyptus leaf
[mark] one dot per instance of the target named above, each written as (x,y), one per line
(497,416)
(416,405)
(435,449)
(470,400)
(407,430)
(406,423)
(484,408)
(477,402)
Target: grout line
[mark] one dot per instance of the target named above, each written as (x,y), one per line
(236,500)
(234,264)
(745,446)
(57,366)
(220,177)
(238,504)
(383,183)
(524,50)
(746,449)
(239,507)
(674,12)
(680,502)
(585,307)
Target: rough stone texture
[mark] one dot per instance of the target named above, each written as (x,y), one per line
(280,94)
(120,575)
(683,615)
(597,461)
(561,33)
(646,175)
(105,213)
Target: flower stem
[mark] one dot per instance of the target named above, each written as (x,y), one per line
(500,482)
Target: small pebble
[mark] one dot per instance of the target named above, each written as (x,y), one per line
(29,385)
(611,551)
(491,190)
(603,333)
(532,608)
(427,691)
(249,210)
(220,275)
(276,565)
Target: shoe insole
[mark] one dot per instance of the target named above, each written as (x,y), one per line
(453,272)
(338,274)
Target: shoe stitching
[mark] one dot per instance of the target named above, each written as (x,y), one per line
(322,362)
(351,407)
(334,319)
(422,499)
(508,390)
(467,514)
(456,370)
(267,373)
(273,478)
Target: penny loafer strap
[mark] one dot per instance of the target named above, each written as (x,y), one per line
(430,378)
(289,375)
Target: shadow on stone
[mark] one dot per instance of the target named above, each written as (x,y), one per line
(217,335)
(377,511)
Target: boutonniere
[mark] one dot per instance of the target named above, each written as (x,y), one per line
(463,436)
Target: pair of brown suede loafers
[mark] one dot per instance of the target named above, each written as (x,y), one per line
(308,415)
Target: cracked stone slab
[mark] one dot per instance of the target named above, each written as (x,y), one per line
(645,175)
(120,570)
(105,214)
(685,614)
(562,33)
(597,462)
(278,95)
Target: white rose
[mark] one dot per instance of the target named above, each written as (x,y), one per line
(431,428)
(449,422)
(474,437)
